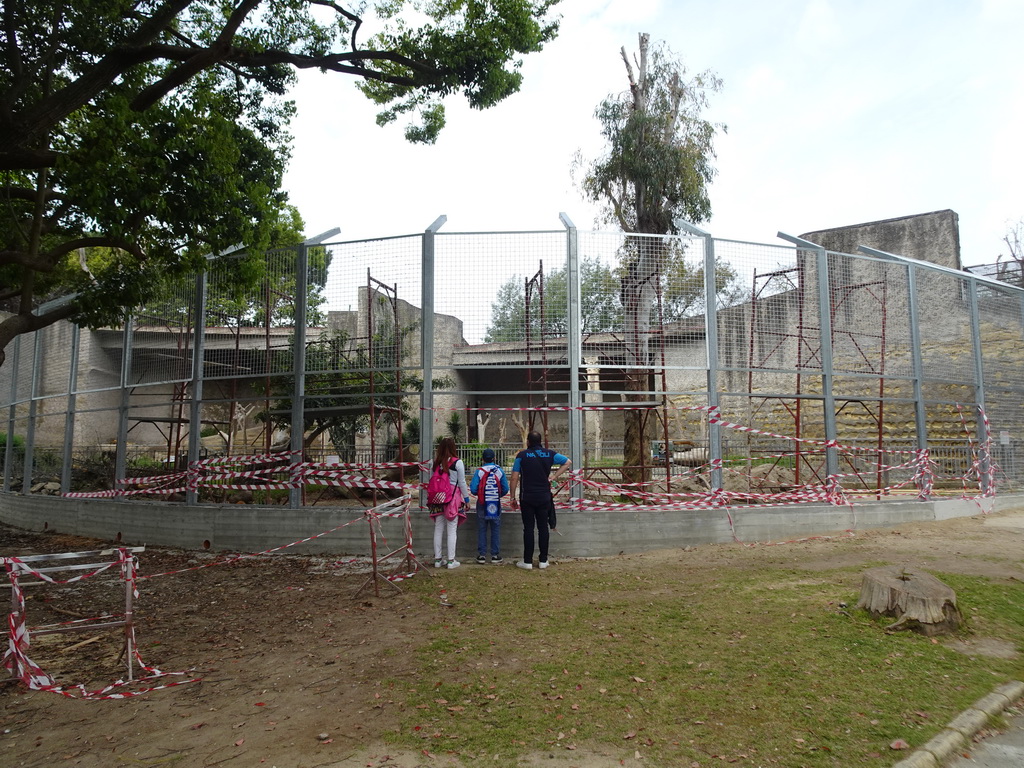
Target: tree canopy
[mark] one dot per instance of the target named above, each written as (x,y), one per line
(682,296)
(599,304)
(659,149)
(158,129)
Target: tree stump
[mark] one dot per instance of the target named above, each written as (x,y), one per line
(917,600)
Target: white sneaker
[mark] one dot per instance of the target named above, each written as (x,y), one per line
(453,564)
(543,564)
(524,566)
(437,562)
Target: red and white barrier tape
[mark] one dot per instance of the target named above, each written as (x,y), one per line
(21,666)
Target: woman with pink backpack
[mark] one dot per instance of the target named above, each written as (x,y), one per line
(447,498)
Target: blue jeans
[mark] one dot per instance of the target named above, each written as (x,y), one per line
(482,526)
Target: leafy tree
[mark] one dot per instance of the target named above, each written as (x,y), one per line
(656,169)
(158,129)
(267,300)
(351,382)
(682,296)
(599,304)
(682,292)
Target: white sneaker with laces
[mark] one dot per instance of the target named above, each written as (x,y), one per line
(437,562)
(524,566)
(543,564)
(453,564)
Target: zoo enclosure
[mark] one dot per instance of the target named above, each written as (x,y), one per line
(756,373)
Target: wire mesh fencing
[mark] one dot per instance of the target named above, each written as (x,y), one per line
(681,371)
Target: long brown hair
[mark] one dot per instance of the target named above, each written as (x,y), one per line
(445,453)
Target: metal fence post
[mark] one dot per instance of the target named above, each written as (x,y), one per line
(575,351)
(12,415)
(195,416)
(120,460)
(69,414)
(984,446)
(30,429)
(298,417)
(427,341)
(825,340)
(299,369)
(711,351)
(917,367)
(916,361)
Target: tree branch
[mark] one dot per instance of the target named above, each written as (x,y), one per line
(56,106)
(201,60)
(357,22)
(26,194)
(45,262)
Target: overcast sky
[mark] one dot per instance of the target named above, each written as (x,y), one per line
(838,112)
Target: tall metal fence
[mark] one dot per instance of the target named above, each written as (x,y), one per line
(747,373)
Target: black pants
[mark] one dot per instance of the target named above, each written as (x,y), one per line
(535,513)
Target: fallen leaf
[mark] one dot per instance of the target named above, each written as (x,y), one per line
(630,735)
(899,744)
(196,726)
(638,680)
(240,742)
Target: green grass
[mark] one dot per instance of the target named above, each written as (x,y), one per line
(755,667)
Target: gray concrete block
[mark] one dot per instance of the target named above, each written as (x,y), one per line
(918,759)
(945,744)
(594,533)
(993,704)
(969,722)
(1012,690)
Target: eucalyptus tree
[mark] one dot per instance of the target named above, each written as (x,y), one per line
(656,168)
(158,129)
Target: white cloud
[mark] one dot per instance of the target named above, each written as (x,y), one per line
(818,26)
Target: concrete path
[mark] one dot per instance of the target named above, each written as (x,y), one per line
(1005,750)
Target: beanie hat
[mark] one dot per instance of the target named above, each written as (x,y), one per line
(488,454)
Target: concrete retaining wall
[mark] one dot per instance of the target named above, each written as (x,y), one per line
(246,528)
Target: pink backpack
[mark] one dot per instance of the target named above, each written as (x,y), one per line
(440,490)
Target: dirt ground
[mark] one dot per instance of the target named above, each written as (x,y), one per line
(292,664)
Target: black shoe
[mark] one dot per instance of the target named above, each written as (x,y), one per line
(496,560)
(481,559)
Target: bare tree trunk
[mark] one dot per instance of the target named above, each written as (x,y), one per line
(638,298)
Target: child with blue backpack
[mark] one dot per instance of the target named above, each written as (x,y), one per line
(489,484)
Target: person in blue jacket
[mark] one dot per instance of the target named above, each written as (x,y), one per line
(531,475)
(489,484)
